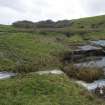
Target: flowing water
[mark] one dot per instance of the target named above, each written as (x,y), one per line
(4,75)
(98,62)
(56,72)
(94,62)
(93,85)
(99,42)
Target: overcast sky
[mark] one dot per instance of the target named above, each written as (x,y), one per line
(35,10)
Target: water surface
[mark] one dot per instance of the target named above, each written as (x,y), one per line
(4,75)
(93,85)
(56,72)
(99,42)
(94,62)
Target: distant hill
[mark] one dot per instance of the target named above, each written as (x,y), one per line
(42,24)
(88,23)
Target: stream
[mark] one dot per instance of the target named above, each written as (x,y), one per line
(4,75)
(98,61)
(93,85)
(94,62)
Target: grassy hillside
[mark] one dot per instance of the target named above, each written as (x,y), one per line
(29,52)
(35,89)
(97,22)
(24,50)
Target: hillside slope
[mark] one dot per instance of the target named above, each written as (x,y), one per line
(90,22)
(26,50)
(33,49)
(35,89)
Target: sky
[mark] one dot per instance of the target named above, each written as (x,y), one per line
(36,10)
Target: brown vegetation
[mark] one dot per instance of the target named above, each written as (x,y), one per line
(85,74)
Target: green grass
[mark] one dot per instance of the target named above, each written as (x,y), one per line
(35,50)
(75,39)
(35,89)
(90,22)
(40,49)
(29,50)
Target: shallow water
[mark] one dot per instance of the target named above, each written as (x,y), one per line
(4,75)
(88,47)
(57,72)
(98,62)
(93,85)
(99,42)
(95,62)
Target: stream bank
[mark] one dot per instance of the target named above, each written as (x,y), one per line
(83,56)
(91,55)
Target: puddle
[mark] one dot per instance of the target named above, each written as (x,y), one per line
(56,72)
(4,75)
(93,85)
